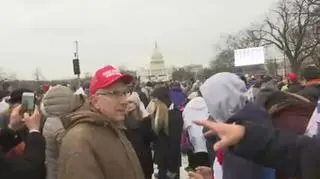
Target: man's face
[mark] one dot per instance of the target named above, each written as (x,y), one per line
(112,101)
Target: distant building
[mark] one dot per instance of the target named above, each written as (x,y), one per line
(157,70)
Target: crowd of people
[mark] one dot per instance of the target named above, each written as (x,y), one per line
(229,126)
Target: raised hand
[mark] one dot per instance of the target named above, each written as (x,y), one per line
(16,121)
(229,134)
(33,121)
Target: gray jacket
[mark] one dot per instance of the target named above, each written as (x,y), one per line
(58,101)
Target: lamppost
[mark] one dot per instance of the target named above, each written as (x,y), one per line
(76,65)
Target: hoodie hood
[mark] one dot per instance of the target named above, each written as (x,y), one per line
(59,100)
(177,96)
(224,94)
(196,109)
(197,103)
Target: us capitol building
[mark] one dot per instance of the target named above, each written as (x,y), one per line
(157,70)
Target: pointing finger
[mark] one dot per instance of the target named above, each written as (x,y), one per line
(220,145)
(205,123)
(209,133)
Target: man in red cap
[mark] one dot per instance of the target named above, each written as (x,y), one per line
(293,84)
(95,145)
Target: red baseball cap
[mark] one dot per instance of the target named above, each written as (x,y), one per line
(292,77)
(107,76)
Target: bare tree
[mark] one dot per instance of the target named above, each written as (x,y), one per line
(4,76)
(272,67)
(316,12)
(292,30)
(182,74)
(243,39)
(224,59)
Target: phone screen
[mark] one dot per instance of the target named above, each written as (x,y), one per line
(28,101)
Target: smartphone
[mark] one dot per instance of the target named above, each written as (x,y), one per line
(28,102)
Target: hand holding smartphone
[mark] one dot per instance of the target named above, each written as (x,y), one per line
(28,102)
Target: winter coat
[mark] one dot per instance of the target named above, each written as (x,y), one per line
(311,90)
(140,134)
(292,155)
(167,147)
(295,87)
(58,101)
(96,147)
(30,165)
(226,98)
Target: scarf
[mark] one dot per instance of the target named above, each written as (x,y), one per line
(160,116)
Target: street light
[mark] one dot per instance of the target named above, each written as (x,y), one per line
(76,64)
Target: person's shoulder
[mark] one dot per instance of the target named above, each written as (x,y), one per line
(79,132)
(252,113)
(52,122)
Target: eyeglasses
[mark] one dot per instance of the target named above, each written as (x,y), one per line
(114,93)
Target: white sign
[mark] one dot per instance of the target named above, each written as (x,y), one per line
(249,56)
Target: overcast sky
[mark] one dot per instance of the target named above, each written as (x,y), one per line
(40,33)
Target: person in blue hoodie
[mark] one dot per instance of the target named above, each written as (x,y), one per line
(226,98)
(177,96)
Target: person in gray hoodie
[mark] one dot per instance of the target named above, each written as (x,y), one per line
(57,102)
(226,98)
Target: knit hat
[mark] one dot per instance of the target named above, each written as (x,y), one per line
(60,100)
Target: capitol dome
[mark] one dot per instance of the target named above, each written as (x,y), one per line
(156,56)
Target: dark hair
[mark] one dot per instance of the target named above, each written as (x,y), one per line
(310,73)
(199,93)
(16,95)
(149,84)
(162,93)
(244,80)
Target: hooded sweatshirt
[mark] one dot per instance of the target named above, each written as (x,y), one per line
(225,95)
(196,109)
(58,101)
(177,97)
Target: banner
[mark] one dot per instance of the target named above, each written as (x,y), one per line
(249,56)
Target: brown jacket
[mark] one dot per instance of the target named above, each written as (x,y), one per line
(95,148)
